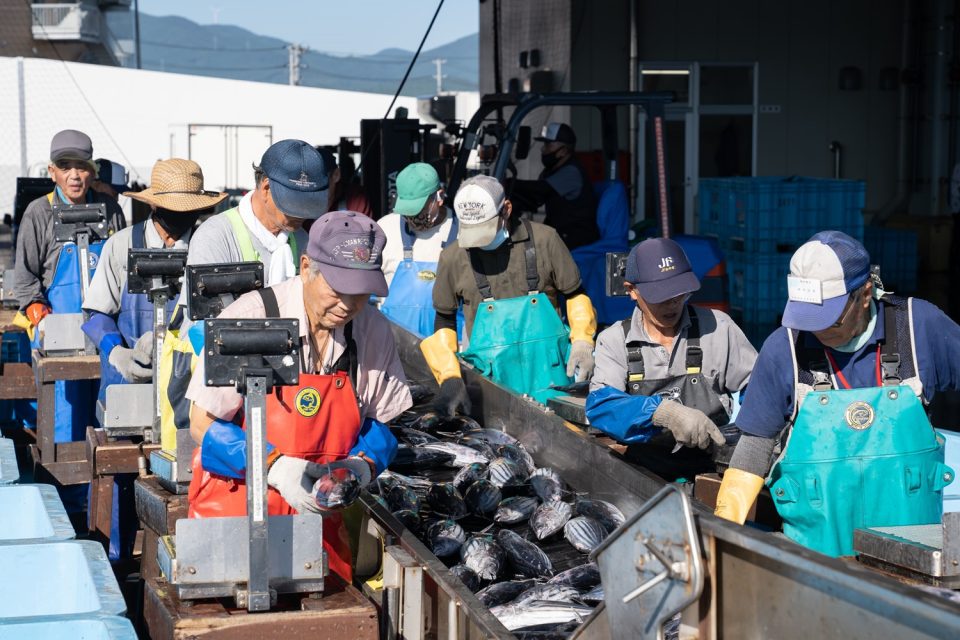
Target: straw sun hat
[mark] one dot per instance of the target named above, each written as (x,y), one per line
(177,185)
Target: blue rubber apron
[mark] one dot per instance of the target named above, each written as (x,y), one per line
(519,342)
(858,458)
(410,301)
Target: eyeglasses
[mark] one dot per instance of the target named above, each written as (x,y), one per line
(846,311)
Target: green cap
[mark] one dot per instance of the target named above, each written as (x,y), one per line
(416,183)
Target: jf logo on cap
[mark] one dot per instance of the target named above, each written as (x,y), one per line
(349,248)
(299,178)
(823,272)
(660,270)
(478,204)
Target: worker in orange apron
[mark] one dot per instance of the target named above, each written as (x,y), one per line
(334,422)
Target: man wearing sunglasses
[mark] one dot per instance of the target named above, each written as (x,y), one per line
(851,373)
(665,377)
(417,231)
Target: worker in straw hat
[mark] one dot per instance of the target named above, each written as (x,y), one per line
(121,323)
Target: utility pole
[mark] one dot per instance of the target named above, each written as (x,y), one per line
(439,62)
(295,51)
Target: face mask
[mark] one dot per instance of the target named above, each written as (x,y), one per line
(176,223)
(498,240)
(549,160)
(857,342)
(427,217)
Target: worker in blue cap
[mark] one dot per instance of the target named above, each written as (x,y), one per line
(665,377)
(843,386)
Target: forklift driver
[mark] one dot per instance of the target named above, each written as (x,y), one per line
(351,385)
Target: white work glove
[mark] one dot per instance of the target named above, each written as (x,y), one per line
(144,349)
(580,360)
(294,479)
(690,427)
(130,365)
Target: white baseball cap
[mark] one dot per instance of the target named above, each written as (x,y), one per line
(478,204)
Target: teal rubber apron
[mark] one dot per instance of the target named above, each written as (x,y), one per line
(859,458)
(520,343)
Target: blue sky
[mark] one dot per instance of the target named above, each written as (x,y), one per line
(335,26)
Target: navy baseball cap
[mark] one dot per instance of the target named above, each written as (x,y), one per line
(349,248)
(299,178)
(557,132)
(660,270)
(823,272)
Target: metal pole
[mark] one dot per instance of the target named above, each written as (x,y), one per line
(439,63)
(159,333)
(258,576)
(136,29)
(21,101)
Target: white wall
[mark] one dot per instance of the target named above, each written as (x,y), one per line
(133,116)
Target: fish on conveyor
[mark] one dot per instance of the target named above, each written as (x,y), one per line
(468,475)
(503,592)
(482,446)
(445,537)
(547,484)
(515,509)
(547,591)
(409,519)
(482,554)
(433,422)
(582,577)
(410,481)
(413,436)
(547,631)
(526,558)
(400,497)
(540,612)
(417,459)
(483,498)
(446,501)
(506,473)
(491,436)
(519,455)
(462,454)
(585,534)
(418,392)
(594,596)
(602,511)
(406,419)
(466,575)
(549,518)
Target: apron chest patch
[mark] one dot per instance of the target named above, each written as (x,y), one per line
(308,402)
(859,415)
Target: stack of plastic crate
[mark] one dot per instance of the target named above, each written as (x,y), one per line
(759,223)
(895,250)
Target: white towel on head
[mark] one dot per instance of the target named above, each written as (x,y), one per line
(281,266)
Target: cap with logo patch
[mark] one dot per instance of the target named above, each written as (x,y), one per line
(349,248)
(478,204)
(823,272)
(299,178)
(557,132)
(660,270)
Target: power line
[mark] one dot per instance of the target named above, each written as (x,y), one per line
(413,60)
(170,45)
(165,65)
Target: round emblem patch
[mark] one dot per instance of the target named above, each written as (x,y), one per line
(361,254)
(308,402)
(93,260)
(859,415)
(427,275)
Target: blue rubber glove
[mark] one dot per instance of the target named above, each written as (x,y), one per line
(377,443)
(626,418)
(99,327)
(224,450)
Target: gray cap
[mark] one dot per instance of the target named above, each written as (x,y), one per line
(70,144)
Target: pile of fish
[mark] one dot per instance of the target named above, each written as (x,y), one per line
(513,533)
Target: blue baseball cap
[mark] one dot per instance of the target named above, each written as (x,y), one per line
(823,272)
(299,178)
(660,270)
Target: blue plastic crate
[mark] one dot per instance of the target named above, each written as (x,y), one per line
(758,284)
(777,214)
(895,250)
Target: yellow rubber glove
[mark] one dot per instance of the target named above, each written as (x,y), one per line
(738,492)
(24,323)
(440,352)
(582,318)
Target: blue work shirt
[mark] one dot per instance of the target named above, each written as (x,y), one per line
(769,402)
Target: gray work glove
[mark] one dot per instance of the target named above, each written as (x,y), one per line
(580,360)
(690,427)
(130,365)
(294,479)
(144,349)
(452,399)
(342,482)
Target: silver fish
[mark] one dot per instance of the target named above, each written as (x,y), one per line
(399,496)
(415,436)
(483,497)
(505,472)
(503,592)
(492,436)
(547,484)
(483,555)
(446,501)
(602,511)
(547,591)
(582,577)
(419,458)
(549,518)
(410,481)
(539,612)
(593,596)
(468,475)
(467,576)
(482,446)
(518,454)
(527,558)
(585,534)
(516,509)
(445,537)
(463,455)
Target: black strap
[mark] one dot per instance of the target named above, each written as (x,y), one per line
(635,370)
(694,352)
(694,358)
(271,307)
(530,265)
(889,353)
(408,239)
(347,362)
(139,238)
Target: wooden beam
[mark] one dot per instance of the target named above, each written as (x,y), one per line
(17,382)
(51,369)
